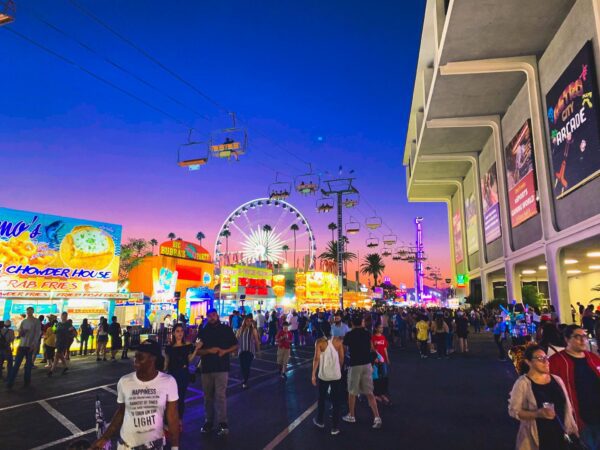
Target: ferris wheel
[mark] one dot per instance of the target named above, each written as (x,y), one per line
(266,230)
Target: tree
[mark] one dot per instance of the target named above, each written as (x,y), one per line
(285,249)
(171,236)
(531,296)
(200,235)
(294,228)
(329,256)
(267,228)
(226,234)
(332,226)
(153,243)
(373,265)
(132,254)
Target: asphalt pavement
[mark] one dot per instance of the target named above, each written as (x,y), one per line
(459,403)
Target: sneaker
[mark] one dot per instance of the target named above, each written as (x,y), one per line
(348,418)
(335,431)
(65,370)
(206,428)
(317,424)
(377,422)
(222,430)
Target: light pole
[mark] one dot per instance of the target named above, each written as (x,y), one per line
(415,255)
(338,188)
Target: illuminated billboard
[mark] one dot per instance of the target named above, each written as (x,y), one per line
(491,206)
(42,252)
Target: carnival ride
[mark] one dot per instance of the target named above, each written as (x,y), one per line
(267,231)
(230,142)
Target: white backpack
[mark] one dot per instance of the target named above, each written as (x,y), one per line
(329,364)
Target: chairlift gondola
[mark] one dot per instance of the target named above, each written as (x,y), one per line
(229,142)
(372,242)
(324,205)
(192,154)
(373,222)
(352,227)
(280,190)
(308,184)
(386,252)
(389,239)
(7,11)
(397,254)
(350,200)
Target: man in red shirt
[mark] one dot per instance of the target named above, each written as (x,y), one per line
(580,371)
(284,342)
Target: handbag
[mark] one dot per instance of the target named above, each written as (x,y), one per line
(572,440)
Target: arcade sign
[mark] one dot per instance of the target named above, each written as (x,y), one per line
(462,280)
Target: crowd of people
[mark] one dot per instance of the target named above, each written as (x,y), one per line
(555,399)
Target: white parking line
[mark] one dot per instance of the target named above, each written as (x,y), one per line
(74,429)
(286,431)
(83,391)
(111,390)
(65,439)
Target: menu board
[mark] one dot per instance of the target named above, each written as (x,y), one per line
(491,206)
(573,125)
(520,177)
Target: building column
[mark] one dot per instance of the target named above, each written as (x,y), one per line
(513,282)
(558,284)
(486,287)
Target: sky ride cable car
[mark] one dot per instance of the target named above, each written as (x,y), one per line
(229,142)
(324,205)
(397,254)
(8,10)
(389,239)
(350,200)
(373,222)
(309,183)
(372,242)
(279,190)
(192,154)
(352,227)
(386,252)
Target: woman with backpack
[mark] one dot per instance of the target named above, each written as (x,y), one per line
(329,357)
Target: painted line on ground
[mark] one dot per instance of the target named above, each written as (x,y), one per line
(286,431)
(111,390)
(83,391)
(74,429)
(65,439)
(195,397)
(197,391)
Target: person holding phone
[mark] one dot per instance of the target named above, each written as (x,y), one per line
(539,401)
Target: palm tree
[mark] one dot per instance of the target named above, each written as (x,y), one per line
(200,235)
(294,228)
(332,226)
(171,236)
(329,256)
(267,228)
(153,243)
(373,265)
(226,234)
(285,249)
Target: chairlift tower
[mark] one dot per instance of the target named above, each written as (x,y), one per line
(416,256)
(340,188)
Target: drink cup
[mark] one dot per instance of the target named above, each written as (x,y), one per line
(548,405)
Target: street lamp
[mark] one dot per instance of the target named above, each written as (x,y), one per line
(347,195)
(7,11)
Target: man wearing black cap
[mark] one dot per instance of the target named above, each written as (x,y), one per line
(218,342)
(143,396)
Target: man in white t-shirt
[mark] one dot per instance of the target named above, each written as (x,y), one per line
(293,321)
(143,397)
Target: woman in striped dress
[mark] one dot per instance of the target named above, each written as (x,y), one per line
(249,344)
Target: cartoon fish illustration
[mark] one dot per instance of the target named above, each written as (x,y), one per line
(52,232)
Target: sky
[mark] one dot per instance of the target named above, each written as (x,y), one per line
(325,83)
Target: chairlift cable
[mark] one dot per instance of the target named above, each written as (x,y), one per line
(96,76)
(147,55)
(118,66)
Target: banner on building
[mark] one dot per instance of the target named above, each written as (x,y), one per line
(471,219)
(573,124)
(491,206)
(457,229)
(520,177)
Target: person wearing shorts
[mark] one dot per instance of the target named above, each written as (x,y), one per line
(284,343)
(360,371)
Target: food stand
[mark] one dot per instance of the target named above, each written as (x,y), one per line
(317,290)
(246,286)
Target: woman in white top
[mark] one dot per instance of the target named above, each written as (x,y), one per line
(329,358)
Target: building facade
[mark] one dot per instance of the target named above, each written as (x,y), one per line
(504,130)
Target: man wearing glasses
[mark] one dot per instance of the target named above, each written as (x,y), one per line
(580,370)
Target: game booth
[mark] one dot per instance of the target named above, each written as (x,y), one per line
(245,288)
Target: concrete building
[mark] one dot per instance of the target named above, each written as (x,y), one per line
(512,86)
